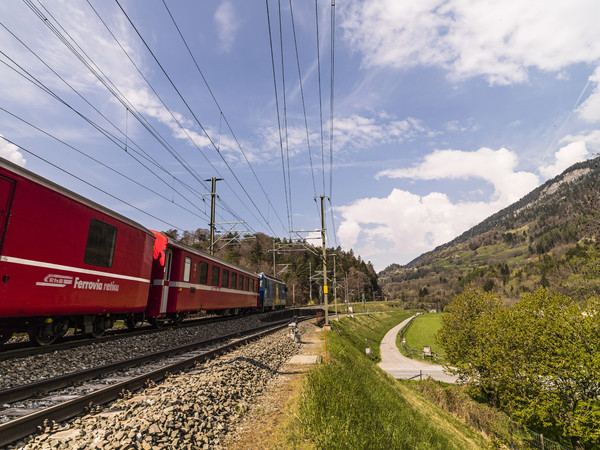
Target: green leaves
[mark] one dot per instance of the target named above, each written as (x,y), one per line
(538,358)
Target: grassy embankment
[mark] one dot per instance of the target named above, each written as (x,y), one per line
(351,403)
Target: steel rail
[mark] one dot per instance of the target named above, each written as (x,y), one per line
(26,425)
(28,390)
(25,349)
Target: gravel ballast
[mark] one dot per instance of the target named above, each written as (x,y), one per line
(20,371)
(196,409)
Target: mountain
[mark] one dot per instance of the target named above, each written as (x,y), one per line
(546,238)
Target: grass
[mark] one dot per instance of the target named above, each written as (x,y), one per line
(351,403)
(368,307)
(421,332)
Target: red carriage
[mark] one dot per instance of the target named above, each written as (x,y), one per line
(66,262)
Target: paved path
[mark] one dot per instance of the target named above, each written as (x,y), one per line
(399,366)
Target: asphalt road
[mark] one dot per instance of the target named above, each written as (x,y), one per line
(399,366)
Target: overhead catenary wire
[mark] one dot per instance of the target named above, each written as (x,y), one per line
(303,101)
(285,120)
(105,80)
(320,90)
(222,114)
(174,117)
(90,184)
(287,204)
(106,166)
(40,85)
(331,98)
(256,208)
(21,71)
(124,141)
(331,113)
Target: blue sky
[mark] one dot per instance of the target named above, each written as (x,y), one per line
(444,111)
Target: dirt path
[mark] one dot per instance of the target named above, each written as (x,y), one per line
(263,427)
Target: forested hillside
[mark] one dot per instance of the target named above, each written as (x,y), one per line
(299,264)
(548,238)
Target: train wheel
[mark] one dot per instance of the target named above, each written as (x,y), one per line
(157,323)
(41,335)
(5,336)
(97,332)
(178,318)
(130,322)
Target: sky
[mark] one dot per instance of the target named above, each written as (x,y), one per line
(426,118)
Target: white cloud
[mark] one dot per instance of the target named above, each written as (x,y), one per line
(227,24)
(456,126)
(495,166)
(404,225)
(11,152)
(564,158)
(589,110)
(361,132)
(497,40)
(591,139)
(353,132)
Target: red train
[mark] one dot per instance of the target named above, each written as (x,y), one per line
(67,262)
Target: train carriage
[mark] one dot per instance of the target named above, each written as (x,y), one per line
(184,280)
(66,261)
(273,292)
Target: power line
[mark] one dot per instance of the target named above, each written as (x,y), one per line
(33,80)
(195,118)
(89,184)
(303,101)
(287,204)
(222,113)
(100,162)
(285,120)
(320,90)
(173,116)
(331,103)
(331,98)
(105,80)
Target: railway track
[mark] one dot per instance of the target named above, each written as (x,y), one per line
(28,407)
(26,348)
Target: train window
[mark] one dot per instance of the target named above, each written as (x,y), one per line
(187,268)
(100,248)
(225,279)
(252,285)
(233,280)
(214,276)
(241,283)
(246,283)
(202,272)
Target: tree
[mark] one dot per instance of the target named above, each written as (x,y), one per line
(539,358)
(466,334)
(552,365)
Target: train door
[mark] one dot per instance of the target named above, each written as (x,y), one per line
(7,187)
(167,277)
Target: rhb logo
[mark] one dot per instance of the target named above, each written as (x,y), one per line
(56,281)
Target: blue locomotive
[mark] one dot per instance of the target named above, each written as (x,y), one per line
(273,292)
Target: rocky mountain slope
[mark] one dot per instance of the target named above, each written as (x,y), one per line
(547,238)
